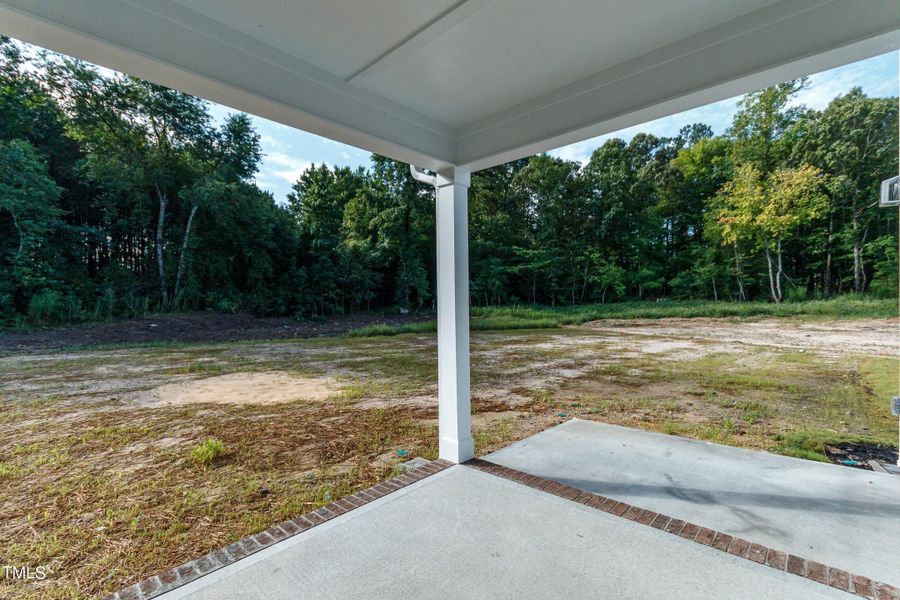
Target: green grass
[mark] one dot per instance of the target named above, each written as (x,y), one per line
(546,317)
(810,443)
(380,329)
(207,451)
(840,307)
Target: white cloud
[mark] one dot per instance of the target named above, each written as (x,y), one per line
(271,142)
(283,166)
(877,77)
(580,151)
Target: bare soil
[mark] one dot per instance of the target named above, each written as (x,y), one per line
(240,389)
(195,327)
(874,337)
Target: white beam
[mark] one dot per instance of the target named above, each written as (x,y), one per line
(454,399)
(784,40)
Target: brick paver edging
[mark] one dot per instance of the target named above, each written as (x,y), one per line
(173,578)
(782,561)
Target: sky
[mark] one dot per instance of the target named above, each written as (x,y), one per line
(288,151)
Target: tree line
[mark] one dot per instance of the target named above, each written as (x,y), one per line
(119,197)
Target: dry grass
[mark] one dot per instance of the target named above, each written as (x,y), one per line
(106,490)
(767,400)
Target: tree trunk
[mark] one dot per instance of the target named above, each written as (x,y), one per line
(184,245)
(862,262)
(715,293)
(160,260)
(21,236)
(584,279)
(574,280)
(826,274)
(739,275)
(779,273)
(771,275)
(857,251)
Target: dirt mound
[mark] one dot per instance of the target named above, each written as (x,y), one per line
(194,327)
(240,388)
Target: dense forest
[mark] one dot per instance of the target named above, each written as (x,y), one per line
(119,197)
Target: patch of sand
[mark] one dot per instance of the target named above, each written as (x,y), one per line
(241,388)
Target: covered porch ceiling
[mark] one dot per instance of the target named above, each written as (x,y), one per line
(471,83)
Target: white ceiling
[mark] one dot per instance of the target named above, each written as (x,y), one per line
(339,36)
(469,82)
(489,61)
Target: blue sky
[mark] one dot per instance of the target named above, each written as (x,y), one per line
(289,151)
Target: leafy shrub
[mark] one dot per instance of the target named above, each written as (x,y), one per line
(221,303)
(103,307)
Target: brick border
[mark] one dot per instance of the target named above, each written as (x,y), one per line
(215,560)
(781,561)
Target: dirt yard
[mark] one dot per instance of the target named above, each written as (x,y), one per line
(98,480)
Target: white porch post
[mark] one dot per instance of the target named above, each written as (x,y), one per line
(454,402)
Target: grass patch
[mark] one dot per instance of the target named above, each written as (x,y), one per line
(545,317)
(810,443)
(493,434)
(383,329)
(722,432)
(9,471)
(349,392)
(791,403)
(842,307)
(207,451)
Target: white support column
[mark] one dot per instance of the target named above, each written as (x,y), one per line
(454,401)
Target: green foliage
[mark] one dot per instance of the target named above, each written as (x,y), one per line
(49,307)
(119,197)
(29,222)
(882,253)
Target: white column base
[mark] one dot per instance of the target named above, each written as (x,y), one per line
(454,395)
(458,451)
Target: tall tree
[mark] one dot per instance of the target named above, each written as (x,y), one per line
(761,126)
(853,140)
(29,218)
(769,211)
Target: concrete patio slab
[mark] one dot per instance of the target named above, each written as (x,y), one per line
(463,533)
(843,517)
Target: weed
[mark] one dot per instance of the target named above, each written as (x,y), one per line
(207,451)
